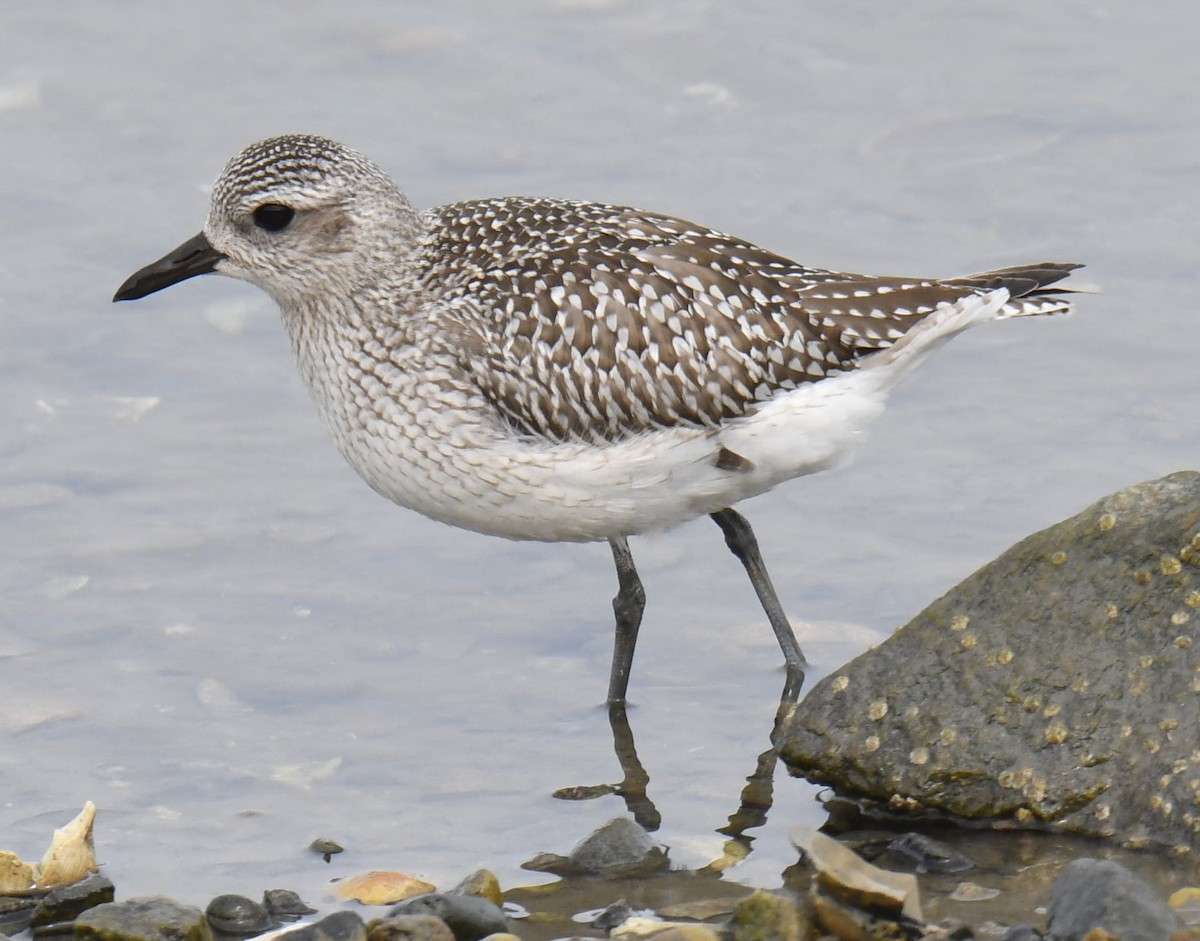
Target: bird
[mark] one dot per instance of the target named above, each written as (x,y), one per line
(571,371)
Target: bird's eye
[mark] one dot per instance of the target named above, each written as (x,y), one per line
(273,217)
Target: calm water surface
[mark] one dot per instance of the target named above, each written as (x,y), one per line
(212,629)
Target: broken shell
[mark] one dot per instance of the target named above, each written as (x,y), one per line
(16,875)
(846,875)
(70,857)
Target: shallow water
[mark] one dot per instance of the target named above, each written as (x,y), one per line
(213,630)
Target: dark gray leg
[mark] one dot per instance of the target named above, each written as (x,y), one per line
(740,539)
(628,605)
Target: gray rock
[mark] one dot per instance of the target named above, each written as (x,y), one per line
(916,852)
(469,917)
(66,902)
(285,905)
(340,926)
(620,847)
(142,919)
(1022,933)
(237,915)
(1099,893)
(1055,686)
(16,914)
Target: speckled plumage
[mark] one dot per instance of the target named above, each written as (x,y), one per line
(567,371)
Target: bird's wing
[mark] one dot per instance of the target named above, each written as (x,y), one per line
(596,322)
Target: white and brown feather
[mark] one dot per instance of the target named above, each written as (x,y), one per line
(593,322)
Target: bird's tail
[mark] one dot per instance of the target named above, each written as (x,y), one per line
(1032,289)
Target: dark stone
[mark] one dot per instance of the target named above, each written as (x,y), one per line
(469,917)
(237,915)
(1099,893)
(16,914)
(325,848)
(1055,686)
(1022,933)
(916,852)
(143,919)
(340,926)
(285,905)
(64,903)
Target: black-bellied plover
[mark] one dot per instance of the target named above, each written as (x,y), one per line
(571,371)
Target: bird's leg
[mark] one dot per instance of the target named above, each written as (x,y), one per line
(628,605)
(740,539)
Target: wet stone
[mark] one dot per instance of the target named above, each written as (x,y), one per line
(325,848)
(1099,893)
(285,905)
(619,848)
(1054,687)
(409,928)
(920,853)
(482,884)
(769,916)
(65,903)
(340,926)
(237,916)
(1022,933)
(16,914)
(468,917)
(143,919)
(847,922)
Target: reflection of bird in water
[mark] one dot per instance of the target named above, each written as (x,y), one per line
(570,371)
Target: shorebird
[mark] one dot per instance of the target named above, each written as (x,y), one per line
(570,371)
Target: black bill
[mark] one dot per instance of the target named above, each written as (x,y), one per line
(193,257)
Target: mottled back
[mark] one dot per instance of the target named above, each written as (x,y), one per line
(595,322)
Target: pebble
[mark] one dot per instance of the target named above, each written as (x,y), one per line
(237,915)
(1100,893)
(619,848)
(285,905)
(916,851)
(409,928)
(769,916)
(150,918)
(621,845)
(483,884)
(468,917)
(62,905)
(973,892)
(16,914)
(340,926)
(325,848)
